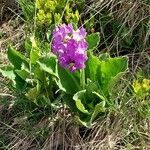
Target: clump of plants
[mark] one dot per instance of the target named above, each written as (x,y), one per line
(49,12)
(141,88)
(67,74)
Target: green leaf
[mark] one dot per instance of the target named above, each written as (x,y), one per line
(100,96)
(34,92)
(48,64)
(110,71)
(81,107)
(104,56)
(38,95)
(93,41)
(85,122)
(34,56)
(8,72)
(39,74)
(90,87)
(20,84)
(92,95)
(99,108)
(91,67)
(22,73)
(87,117)
(78,99)
(17,82)
(69,82)
(16,58)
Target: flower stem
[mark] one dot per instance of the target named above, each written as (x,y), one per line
(82,79)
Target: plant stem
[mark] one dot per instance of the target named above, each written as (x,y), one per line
(82,78)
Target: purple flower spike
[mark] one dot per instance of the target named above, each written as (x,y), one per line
(70,46)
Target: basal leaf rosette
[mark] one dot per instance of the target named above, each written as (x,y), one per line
(86,92)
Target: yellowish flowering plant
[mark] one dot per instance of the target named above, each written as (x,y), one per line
(53,11)
(141,88)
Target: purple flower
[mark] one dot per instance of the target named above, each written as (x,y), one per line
(70,46)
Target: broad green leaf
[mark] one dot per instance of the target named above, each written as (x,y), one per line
(100,108)
(78,99)
(81,107)
(93,41)
(91,67)
(20,84)
(88,118)
(100,96)
(48,64)
(16,58)
(34,56)
(104,56)
(92,97)
(85,122)
(22,73)
(8,72)
(90,87)
(17,82)
(68,81)
(111,70)
(33,93)
(39,74)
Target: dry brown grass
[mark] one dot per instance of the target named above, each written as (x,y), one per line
(5,6)
(118,131)
(134,14)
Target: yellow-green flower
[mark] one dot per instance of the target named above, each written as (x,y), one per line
(51,10)
(146,84)
(141,88)
(136,86)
